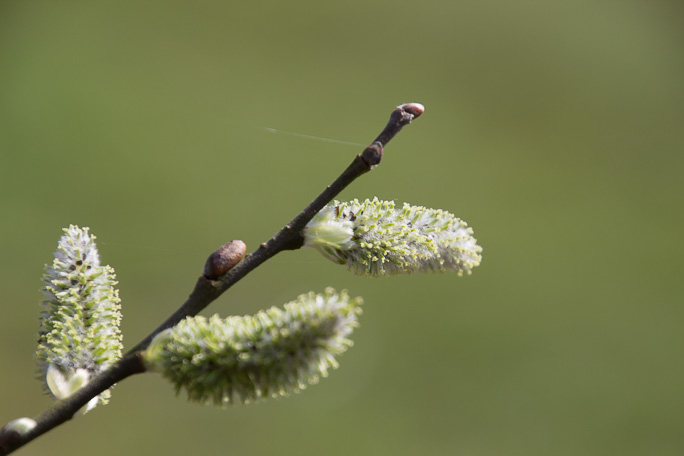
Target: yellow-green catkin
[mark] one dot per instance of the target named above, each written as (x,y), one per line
(376,238)
(244,359)
(79,332)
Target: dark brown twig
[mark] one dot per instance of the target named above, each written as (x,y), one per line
(290,237)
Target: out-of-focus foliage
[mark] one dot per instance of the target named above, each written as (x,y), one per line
(553,128)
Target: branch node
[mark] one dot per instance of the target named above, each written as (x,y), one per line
(372,155)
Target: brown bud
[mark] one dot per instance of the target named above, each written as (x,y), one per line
(372,154)
(223,259)
(415,109)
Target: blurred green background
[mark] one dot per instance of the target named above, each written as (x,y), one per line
(555,129)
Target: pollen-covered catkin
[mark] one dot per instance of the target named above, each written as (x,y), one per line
(375,238)
(79,332)
(243,359)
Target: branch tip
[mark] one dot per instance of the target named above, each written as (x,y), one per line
(401,116)
(415,109)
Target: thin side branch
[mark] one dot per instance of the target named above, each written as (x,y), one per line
(206,290)
(62,411)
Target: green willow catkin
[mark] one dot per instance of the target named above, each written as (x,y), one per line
(79,332)
(374,238)
(270,354)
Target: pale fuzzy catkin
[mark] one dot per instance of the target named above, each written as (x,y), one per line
(244,359)
(79,332)
(375,238)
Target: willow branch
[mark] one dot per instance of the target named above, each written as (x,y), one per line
(290,236)
(206,290)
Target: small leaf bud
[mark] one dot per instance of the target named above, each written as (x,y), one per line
(12,431)
(415,109)
(223,259)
